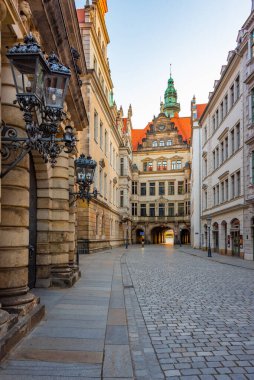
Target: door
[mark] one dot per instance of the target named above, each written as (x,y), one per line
(32,227)
(235,236)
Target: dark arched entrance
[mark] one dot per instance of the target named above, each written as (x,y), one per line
(139,235)
(185,236)
(235,237)
(32,225)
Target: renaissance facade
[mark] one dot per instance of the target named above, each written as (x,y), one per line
(160,200)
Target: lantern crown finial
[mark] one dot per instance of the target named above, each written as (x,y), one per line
(56,66)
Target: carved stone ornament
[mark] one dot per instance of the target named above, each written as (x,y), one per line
(102,163)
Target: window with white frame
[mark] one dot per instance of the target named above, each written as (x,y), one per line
(169,142)
(101,135)
(176,165)
(238,184)
(162,143)
(238,138)
(237,87)
(155,144)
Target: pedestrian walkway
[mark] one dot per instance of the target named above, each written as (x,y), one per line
(230,260)
(84,334)
(145,314)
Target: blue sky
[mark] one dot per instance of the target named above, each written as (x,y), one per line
(147,35)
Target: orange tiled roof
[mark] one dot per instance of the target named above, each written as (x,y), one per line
(81,15)
(200,109)
(183,125)
(137,135)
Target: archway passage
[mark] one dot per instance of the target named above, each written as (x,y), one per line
(32,225)
(185,236)
(139,235)
(162,235)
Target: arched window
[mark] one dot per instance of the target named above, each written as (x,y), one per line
(155,144)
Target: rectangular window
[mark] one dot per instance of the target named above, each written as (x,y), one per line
(106,143)
(214,160)
(214,196)
(226,104)
(176,165)
(159,165)
(217,157)
(101,135)
(218,194)
(171,209)
(205,199)
(152,209)
(232,95)
(110,154)
(226,148)
(143,209)
(187,208)
(222,151)
(110,191)
(252,44)
(152,188)
(222,192)
(161,143)
(171,188)
(180,209)
(101,183)
(148,166)
(164,165)
(205,133)
(161,209)
(221,111)
(238,184)
(180,187)
(214,123)
(143,188)
(161,188)
(105,185)
(252,105)
(95,125)
(232,133)
(114,159)
(232,186)
(134,188)
(122,166)
(134,208)
(226,190)
(121,198)
(252,167)
(238,141)
(217,118)
(237,87)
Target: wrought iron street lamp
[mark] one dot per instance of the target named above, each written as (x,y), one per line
(41,87)
(84,171)
(209,221)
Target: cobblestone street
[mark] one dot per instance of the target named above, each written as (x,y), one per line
(145,314)
(199,313)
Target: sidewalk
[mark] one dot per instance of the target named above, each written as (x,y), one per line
(84,334)
(229,260)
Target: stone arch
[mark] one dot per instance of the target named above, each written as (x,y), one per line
(235,236)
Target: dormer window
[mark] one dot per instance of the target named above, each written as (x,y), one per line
(155,144)
(162,143)
(169,142)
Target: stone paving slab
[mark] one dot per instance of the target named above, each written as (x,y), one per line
(117,362)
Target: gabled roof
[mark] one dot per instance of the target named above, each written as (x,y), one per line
(137,135)
(81,15)
(183,125)
(200,109)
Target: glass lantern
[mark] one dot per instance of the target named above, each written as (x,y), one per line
(85,168)
(56,83)
(28,69)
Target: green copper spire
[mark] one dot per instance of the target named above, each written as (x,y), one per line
(170,98)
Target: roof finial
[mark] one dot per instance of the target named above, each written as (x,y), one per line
(170,70)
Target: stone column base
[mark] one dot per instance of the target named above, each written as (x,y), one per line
(64,276)
(20,304)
